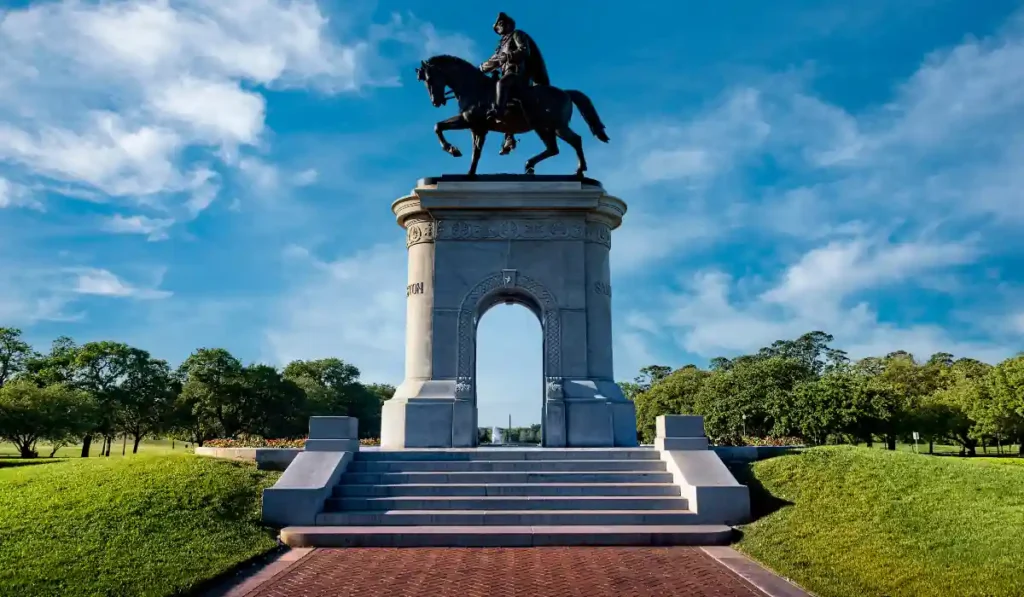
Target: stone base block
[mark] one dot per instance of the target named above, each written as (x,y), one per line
(681,443)
(332,445)
(333,428)
(600,424)
(680,426)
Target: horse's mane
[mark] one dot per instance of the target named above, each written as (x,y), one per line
(449,60)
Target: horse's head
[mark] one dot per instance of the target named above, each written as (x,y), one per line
(434,80)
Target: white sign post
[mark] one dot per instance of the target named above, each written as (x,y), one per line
(917,436)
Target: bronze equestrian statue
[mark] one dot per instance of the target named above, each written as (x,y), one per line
(522,100)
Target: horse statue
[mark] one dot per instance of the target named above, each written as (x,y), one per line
(543,109)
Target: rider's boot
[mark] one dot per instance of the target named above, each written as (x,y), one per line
(509,145)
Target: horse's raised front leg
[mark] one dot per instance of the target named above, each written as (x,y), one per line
(569,136)
(455,123)
(550,149)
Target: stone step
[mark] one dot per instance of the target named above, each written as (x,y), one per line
(506,517)
(509,477)
(506,489)
(504,536)
(409,466)
(499,503)
(493,454)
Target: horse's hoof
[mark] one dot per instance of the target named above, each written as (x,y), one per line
(505,151)
(455,152)
(529,170)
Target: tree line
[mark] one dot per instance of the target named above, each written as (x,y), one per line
(97,391)
(806,390)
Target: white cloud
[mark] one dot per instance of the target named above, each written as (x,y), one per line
(218,110)
(101,282)
(142,101)
(154,228)
(13,195)
(826,275)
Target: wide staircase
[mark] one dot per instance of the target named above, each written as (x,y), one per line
(507,497)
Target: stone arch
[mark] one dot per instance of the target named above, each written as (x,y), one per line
(494,289)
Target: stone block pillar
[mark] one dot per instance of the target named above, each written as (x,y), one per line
(539,241)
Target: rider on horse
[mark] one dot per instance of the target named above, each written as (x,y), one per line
(521,65)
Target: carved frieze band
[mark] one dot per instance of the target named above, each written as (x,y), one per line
(520,229)
(466,348)
(420,232)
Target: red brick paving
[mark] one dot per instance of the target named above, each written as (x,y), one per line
(508,572)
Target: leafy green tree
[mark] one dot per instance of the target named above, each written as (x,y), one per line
(101,369)
(827,406)
(1003,415)
(332,388)
(810,350)
(53,413)
(147,396)
(675,394)
(893,391)
(14,354)
(57,366)
(211,402)
(274,405)
(382,392)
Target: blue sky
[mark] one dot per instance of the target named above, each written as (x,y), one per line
(219,173)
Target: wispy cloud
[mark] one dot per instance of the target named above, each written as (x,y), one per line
(101,282)
(154,228)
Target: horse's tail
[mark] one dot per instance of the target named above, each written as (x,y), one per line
(589,113)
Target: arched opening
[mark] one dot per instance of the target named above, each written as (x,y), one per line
(510,369)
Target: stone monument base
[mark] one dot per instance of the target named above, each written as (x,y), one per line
(585,418)
(539,241)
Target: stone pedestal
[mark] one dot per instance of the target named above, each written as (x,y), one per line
(539,241)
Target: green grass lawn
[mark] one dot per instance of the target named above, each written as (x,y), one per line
(865,522)
(147,525)
(148,446)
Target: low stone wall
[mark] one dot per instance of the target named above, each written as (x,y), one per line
(752,453)
(272,459)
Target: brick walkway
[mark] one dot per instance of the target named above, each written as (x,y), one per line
(512,572)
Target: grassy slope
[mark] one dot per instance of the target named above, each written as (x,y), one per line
(870,522)
(147,525)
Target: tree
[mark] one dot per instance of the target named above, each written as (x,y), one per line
(811,350)
(146,398)
(14,354)
(950,408)
(332,388)
(211,399)
(675,394)
(56,367)
(893,390)
(29,413)
(382,392)
(1004,412)
(101,369)
(273,406)
(827,406)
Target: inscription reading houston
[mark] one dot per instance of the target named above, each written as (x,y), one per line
(412,289)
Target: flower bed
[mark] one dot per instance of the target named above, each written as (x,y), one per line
(259,442)
(772,441)
(270,454)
